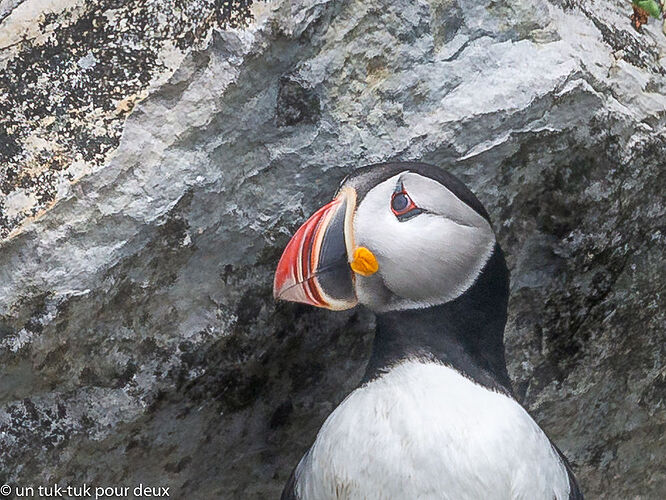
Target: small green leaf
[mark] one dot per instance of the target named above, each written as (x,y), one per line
(650,6)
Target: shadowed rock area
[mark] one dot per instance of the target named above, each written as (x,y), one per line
(139,340)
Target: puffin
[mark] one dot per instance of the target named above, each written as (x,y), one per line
(434,416)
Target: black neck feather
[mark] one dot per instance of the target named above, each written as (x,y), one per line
(466,333)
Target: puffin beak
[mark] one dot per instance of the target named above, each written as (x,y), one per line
(315,265)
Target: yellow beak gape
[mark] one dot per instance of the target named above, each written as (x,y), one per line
(364,262)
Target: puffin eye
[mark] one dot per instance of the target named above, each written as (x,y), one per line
(400,202)
(402,205)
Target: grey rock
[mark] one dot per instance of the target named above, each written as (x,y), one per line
(139,341)
(296,103)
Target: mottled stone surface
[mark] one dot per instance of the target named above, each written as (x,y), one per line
(71,71)
(139,341)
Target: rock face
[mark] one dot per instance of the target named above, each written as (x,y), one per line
(153,168)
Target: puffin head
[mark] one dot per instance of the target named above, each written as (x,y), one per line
(396,236)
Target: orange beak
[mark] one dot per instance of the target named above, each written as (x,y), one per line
(314,268)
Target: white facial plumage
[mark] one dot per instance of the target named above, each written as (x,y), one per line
(429,259)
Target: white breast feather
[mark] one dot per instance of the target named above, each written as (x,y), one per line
(423,431)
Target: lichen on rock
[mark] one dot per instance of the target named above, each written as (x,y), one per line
(71,75)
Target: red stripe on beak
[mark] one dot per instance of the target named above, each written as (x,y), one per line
(314,268)
(297,266)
